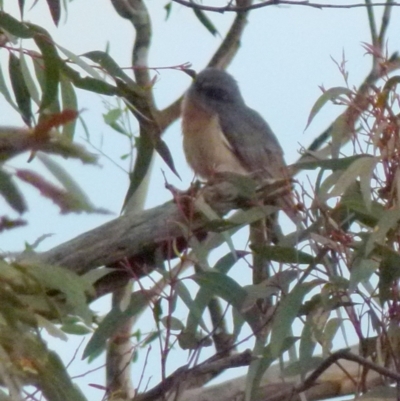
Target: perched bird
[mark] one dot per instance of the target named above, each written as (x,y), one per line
(222,134)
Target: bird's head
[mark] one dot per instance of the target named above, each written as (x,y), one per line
(213,88)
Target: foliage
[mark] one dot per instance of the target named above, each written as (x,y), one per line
(336,272)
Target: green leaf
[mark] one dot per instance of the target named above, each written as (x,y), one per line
(15,27)
(112,68)
(328,95)
(221,285)
(114,319)
(361,272)
(51,62)
(81,63)
(330,164)
(286,313)
(11,193)
(204,295)
(67,181)
(69,102)
(362,168)
(142,164)
(387,222)
(28,79)
(162,149)
(202,17)
(283,254)
(172,323)
(55,10)
(168,8)
(88,83)
(21,4)
(21,92)
(301,367)
(258,367)
(70,284)
(6,93)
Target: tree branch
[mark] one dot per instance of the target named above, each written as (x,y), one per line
(230,8)
(137,234)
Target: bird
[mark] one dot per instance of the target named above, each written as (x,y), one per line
(221,134)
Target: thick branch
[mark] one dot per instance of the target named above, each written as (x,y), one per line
(135,234)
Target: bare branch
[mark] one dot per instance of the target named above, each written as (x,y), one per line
(230,8)
(185,378)
(136,234)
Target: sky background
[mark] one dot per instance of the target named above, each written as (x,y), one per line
(286,55)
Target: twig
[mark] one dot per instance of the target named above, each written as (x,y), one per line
(268,3)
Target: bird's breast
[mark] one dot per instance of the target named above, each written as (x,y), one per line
(206,148)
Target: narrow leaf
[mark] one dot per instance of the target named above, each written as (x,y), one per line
(5,92)
(284,254)
(69,102)
(362,167)
(114,319)
(162,149)
(15,27)
(285,315)
(51,62)
(142,164)
(111,67)
(202,17)
(81,63)
(11,193)
(55,10)
(30,83)
(330,94)
(21,92)
(221,285)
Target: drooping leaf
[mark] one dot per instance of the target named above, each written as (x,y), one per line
(388,221)
(70,284)
(21,92)
(21,4)
(88,83)
(331,164)
(202,17)
(28,79)
(162,149)
(328,95)
(363,168)
(5,92)
(283,254)
(81,63)
(11,193)
(286,313)
(114,319)
(221,285)
(361,272)
(142,163)
(69,102)
(51,61)
(390,85)
(258,367)
(168,8)
(112,68)
(15,27)
(204,295)
(67,202)
(55,10)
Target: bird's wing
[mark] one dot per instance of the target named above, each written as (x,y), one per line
(253,142)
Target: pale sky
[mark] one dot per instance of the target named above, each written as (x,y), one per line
(286,55)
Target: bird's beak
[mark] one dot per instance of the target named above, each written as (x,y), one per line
(190,72)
